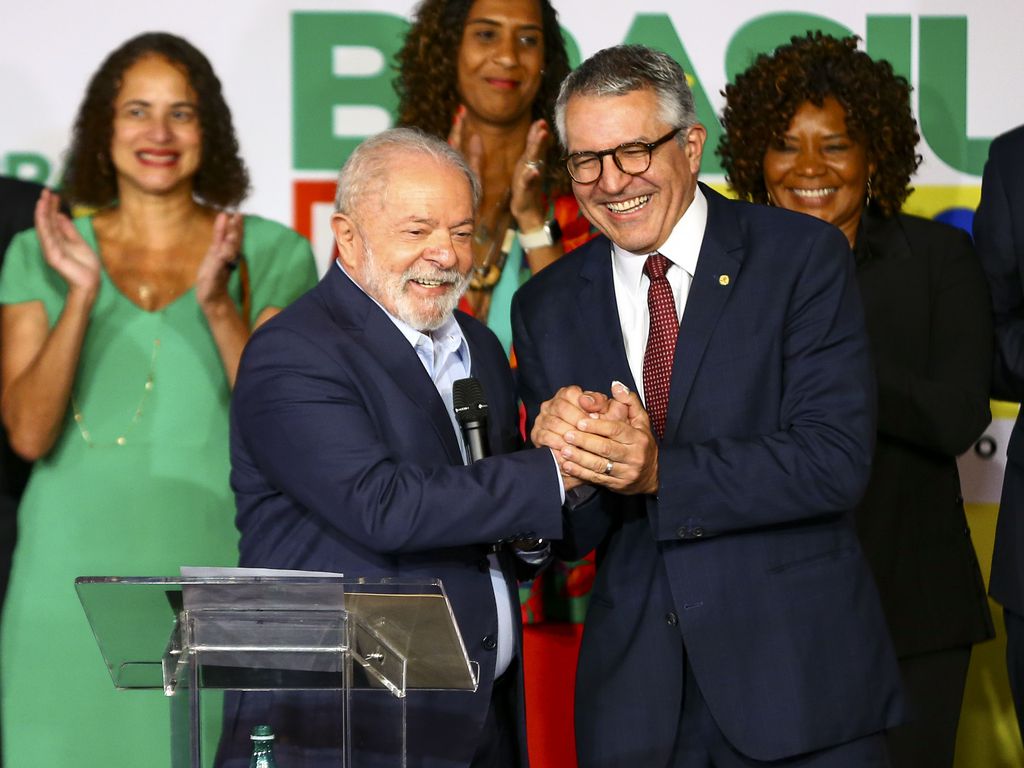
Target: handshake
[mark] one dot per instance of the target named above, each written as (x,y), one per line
(600,440)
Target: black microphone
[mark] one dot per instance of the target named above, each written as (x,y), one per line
(470,407)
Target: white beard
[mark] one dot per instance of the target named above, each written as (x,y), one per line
(391,291)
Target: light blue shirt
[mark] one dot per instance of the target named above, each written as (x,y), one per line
(444,354)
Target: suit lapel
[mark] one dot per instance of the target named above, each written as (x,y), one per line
(370,327)
(718,265)
(488,372)
(598,314)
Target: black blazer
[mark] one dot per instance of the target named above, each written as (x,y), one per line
(999,233)
(928,316)
(17,206)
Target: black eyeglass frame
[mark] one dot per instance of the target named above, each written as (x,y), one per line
(649,146)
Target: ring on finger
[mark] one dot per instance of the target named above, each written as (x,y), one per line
(608,468)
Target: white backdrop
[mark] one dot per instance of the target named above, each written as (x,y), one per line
(51,48)
(965,58)
(263,56)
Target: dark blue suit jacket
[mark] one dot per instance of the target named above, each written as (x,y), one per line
(999,235)
(747,556)
(344,458)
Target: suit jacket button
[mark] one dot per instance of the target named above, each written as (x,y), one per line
(683,532)
(698,532)
(489,642)
(671,619)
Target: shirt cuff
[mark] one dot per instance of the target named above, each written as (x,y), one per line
(558,474)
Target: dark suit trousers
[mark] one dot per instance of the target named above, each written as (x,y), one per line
(935,689)
(498,747)
(1015,661)
(700,744)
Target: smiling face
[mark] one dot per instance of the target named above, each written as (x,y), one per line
(639,212)
(156,144)
(817,168)
(409,242)
(501,58)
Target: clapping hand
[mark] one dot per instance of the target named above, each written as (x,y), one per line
(471,146)
(65,249)
(527,188)
(527,180)
(220,259)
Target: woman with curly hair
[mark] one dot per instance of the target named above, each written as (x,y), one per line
(821,128)
(121,335)
(494,102)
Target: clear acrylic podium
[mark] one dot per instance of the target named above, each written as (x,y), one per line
(278,633)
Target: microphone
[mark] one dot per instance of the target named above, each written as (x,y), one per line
(470,406)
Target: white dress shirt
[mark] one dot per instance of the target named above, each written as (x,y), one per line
(631,284)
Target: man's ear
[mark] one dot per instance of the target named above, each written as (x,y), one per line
(350,246)
(695,146)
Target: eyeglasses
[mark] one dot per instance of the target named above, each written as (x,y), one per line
(633,158)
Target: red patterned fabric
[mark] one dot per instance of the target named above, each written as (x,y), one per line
(576,230)
(661,341)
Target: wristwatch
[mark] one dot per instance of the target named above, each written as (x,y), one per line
(547,235)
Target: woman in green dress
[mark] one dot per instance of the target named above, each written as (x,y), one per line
(121,335)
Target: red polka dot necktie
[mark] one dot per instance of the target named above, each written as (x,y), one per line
(661,341)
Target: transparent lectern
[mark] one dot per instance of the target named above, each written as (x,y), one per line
(279,633)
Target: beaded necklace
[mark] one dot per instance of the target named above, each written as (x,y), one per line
(121,439)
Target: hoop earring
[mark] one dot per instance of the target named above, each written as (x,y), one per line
(770,203)
(869,195)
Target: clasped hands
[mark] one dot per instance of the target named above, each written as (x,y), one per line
(600,440)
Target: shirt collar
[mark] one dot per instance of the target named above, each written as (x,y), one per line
(681,248)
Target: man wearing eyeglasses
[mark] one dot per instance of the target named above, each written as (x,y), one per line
(734,621)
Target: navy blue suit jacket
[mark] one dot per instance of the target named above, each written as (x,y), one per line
(747,556)
(999,237)
(344,459)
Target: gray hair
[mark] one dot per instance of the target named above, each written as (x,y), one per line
(365,171)
(623,69)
